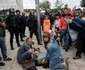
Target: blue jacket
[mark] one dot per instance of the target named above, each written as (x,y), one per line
(77,25)
(54,55)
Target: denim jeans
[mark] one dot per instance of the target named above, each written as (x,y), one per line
(64,38)
(67,41)
(25,56)
(0,58)
(3,47)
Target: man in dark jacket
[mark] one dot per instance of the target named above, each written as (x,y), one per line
(13,28)
(19,21)
(78,25)
(26,51)
(23,24)
(2,41)
(33,27)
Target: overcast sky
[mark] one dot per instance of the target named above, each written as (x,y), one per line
(31,3)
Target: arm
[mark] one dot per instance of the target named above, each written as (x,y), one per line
(32,52)
(79,21)
(49,52)
(2,24)
(35,48)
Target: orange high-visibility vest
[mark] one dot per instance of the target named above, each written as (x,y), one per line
(46,25)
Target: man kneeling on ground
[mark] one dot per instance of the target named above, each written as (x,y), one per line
(26,51)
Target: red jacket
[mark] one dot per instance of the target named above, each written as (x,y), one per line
(62,23)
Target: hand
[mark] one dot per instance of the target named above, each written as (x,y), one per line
(26,61)
(3,24)
(58,39)
(31,51)
(43,61)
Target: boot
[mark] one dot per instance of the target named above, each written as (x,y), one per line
(18,45)
(12,48)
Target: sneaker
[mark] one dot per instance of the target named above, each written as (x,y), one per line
(2,64)
(76,57)
(7,59)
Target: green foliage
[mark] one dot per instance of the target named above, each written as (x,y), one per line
(53,10)
(66,6)
(58,6)
(45,5)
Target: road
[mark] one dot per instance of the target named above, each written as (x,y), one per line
(13,65)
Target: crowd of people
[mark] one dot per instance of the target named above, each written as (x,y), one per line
(63,29)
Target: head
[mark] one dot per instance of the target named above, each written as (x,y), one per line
(84,10)
(69,9)
(46,37)
(23,14)
(29,41)
(68,20)
(57,16)
(77,14)
(66,11)
(12,11)
(79,10)
(46,17)
(17,12)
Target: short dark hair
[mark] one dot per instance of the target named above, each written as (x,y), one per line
(67,17)
(28,39)
(57,15)
(78,9)
(66,9)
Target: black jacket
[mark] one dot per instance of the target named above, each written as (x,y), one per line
(32,22)
(78,25)
(23,21)
(11,21)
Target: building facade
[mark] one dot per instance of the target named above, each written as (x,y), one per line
(16,4)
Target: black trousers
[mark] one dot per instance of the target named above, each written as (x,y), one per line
(80,45)
(21,33)
(24,28)
(12,32)
(34,31)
